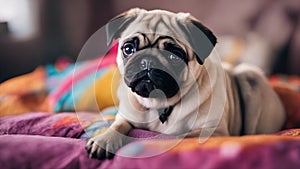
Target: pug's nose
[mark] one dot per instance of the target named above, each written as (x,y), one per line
(147,63)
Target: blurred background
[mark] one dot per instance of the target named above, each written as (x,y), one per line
(38,32)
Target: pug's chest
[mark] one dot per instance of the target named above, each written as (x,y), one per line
(148,119)
(176,124)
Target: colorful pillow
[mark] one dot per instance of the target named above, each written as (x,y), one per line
(77,87)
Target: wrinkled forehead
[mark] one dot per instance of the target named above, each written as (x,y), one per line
(156,23)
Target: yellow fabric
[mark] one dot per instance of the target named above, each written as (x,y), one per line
(102,94)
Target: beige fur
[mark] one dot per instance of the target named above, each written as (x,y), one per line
(209,102)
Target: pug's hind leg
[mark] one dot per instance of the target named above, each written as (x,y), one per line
(263,110)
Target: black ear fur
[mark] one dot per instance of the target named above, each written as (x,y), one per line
(201,39)
(117,25)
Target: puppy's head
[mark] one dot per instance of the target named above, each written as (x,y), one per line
(157,50)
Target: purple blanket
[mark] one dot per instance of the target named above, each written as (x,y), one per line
(25,151)
(43,140)
(46,124)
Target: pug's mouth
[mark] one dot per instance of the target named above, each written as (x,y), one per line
(153,83)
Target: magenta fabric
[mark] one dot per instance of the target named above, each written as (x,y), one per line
(42,152)
(46,141)
(46,124)
(144,134)
(275,155)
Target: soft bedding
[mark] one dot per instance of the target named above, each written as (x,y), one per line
(39,128)
(53,141)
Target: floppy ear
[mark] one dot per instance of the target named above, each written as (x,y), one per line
(118,24)
(201,39)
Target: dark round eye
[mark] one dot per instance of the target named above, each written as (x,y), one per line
(176,54)
(174,59)
(128,49)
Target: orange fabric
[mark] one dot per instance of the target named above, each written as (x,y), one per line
(24,94)
(290,99)
(67,121)
(192,144)
(25,83)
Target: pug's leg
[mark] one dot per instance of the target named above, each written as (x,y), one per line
(264,112)
(107,144)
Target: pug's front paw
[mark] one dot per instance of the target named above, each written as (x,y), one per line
(105,145)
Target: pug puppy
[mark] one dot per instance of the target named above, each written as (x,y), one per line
(172,83)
